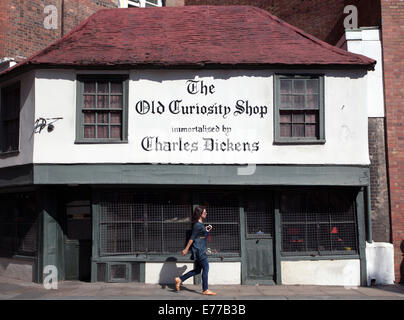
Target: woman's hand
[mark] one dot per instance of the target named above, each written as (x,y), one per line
(184,252)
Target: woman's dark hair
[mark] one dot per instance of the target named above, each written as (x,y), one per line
(197,213)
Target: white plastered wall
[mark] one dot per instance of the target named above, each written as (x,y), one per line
(345,119)
(366,41)
(321,272)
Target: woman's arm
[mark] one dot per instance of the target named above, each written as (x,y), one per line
(189,244)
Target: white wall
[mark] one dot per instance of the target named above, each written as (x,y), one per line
(321,272)
(380,263)
(366,41)
(345,119)
(219,272)
(27,99)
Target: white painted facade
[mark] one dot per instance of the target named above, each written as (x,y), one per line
(321,272)
(366,41)
(380,263)
(345,119)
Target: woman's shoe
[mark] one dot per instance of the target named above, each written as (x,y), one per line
(209,292)
(177,284)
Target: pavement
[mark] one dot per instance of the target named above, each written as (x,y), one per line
(13,289)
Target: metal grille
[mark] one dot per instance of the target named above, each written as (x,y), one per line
(224,215)
(143,223)
(157,222)
(318,222)
(258,216)
(118,272)
(18,224)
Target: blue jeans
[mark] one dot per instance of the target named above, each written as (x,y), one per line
(198,266)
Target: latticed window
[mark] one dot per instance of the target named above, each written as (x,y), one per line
(10,118)
(223,213)
(157,222)
(318,222)
(102,108)
(18,225)
(299,109)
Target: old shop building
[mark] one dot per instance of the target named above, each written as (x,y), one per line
(113,134)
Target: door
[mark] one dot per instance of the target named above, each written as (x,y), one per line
(78,241)
(258,260)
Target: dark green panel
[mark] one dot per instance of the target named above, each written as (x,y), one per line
(16,176)
(259,258)
(71,257)
(292,175)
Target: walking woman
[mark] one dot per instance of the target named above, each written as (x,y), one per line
(198,244)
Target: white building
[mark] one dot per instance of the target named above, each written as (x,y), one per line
(122,131)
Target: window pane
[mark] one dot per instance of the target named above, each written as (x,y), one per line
(116,102)
(312,101)
(311,130)
(116,87)
(102,117)
(298,86)
(286,86)
(103,87)
(102,102)
(286,101)
(89,101)
(311,117)
(116,117)
(102,132)
(286,118)
(116,132)
(89,117)
(298,102)
(298,118)
(89,87)
(298,130)
(286,130)
(89,131)
(312,86)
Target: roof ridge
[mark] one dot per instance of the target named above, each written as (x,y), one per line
(313,38)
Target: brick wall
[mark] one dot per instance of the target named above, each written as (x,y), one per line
(321,18)
(393,59)
(22,23)
(378,181)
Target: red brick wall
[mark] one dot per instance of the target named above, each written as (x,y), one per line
(23,23)
(321,18)
(393,54)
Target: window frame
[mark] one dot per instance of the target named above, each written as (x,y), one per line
(321,118)
(15,85)
(81,78)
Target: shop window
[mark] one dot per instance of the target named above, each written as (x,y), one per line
(10,118)
(157,223)
(299,109)
(318,223)
(102,109)
(223,213)
(18,225)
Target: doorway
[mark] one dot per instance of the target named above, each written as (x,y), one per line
(258,257)
(78,241)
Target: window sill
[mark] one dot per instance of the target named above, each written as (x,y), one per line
(9,153)
(299,142)
(341,256)
(101,142)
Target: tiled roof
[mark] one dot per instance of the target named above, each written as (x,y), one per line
(191,36)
